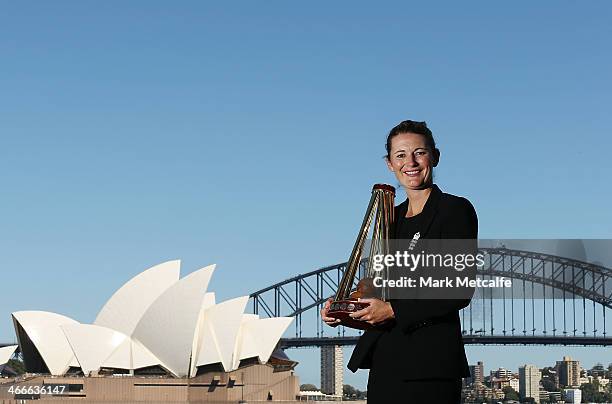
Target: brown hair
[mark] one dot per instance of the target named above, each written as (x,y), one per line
(412,127)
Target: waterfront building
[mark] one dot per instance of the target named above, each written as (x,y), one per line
(166,329)
(332,370)
(529,382)
(477,373)
(568,372)
(573,395)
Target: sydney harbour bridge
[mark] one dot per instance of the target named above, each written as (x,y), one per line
(553,301)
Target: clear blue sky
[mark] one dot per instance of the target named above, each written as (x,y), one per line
(248,134)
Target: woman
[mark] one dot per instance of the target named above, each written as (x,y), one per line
(419,357)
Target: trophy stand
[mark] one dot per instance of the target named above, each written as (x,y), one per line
(380,212)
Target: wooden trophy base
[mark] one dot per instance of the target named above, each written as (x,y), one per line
(341,309)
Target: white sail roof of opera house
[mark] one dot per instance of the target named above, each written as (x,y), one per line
(155,319)
(218,334)
(95,347)
(6,352)
(258,337)
(43,330)
(173,316)
(122,312)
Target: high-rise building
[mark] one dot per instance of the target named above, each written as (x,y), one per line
(332,370)
(529,382)
(568,372)
(573,396)
(514,383)
(501,373)
(477,373)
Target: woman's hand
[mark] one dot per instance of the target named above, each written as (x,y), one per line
(328,320)
(377,312)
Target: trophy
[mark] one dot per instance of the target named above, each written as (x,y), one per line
(380,212)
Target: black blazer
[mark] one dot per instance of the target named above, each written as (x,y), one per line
(425,340)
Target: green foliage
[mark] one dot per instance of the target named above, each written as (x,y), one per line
(598,366)
(17,366)
(510,393)
(549,385)
(590,394)
(548,379)
(598,370)
(308,387)
(348,390)
(351,392)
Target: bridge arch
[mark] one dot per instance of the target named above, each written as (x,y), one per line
(564,278)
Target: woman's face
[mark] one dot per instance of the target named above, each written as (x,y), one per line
(411,160)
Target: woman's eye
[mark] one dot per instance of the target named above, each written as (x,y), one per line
(420,153)
(400,156)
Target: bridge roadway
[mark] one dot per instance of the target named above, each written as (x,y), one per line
(306,342)
(467,339)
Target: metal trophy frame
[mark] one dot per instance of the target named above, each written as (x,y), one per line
(380,211)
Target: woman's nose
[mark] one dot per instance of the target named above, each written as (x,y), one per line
(410,161)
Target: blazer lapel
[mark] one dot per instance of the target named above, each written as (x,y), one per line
(430,209)
(427,215)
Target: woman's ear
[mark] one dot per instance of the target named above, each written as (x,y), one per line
(389,166)
(436,156)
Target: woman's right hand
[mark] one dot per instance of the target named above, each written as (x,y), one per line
(333,322)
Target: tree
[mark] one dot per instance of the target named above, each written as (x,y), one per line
(510,394)
(591,395)
(17,366)
(351,392)
(308,387)
(598,370)
(549,385)
(549,379)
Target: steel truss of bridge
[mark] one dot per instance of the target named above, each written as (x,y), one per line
(561,301)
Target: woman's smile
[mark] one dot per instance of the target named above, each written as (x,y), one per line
(412,173)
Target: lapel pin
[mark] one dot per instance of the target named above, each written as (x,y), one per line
(414,240)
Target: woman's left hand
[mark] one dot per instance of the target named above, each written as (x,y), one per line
(377,312)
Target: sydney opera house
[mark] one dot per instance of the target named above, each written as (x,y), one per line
(159,338)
